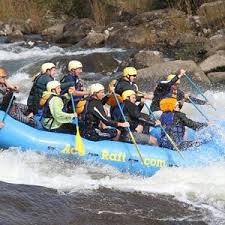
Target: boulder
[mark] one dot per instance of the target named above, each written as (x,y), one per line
(147,29)
(212,13)
(92,63)
(16,35)
(92,40)
(215,43)
(75,31)
(53,31)
(146,58)
(150,76)
(216,77)
(213,62)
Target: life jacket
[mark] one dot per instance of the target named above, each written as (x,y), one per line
(77,84)
(171,94)
(112,101)
(46,113)
(81,108)
(6,97)
(116,113)
(175,131)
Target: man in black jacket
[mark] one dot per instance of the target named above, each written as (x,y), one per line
(96,119)
(137,120)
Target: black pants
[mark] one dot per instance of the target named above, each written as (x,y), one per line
(67,128)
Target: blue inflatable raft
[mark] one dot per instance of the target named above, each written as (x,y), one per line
(122,156)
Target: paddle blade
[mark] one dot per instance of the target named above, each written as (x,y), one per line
(79,143)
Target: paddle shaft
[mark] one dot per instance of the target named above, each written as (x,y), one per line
(8,108)
(198,89)
(130,133)
(192,102)
(167,135)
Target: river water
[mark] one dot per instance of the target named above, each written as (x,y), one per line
(39,189)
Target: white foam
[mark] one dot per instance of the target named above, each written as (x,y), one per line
(38,53)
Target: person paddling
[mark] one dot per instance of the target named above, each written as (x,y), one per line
(96,121)
(128,82)
(16,110)
(137,120)
(170,88)
(174,121)
(73,79)
(54,118)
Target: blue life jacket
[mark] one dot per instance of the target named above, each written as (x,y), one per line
(175,131)
(76,83)
(116,113)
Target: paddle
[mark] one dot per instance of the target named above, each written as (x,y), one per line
(8,108)
(192,102)
(130,133)
(79,145)
(198,89)
(167,135)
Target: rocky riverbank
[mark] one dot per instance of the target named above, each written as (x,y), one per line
(162,40)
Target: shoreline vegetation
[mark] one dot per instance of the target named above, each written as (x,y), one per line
(103,12)
(165,34)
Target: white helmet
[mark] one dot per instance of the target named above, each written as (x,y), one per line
(74,64)
(52,85)
(47,66)
(94,88)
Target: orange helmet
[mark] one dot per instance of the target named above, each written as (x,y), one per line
(168,104)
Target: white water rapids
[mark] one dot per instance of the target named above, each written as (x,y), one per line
(204,187)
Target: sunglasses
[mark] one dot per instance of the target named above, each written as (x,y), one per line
(132,75)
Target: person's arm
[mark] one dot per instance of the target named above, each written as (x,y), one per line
(195,100)
(56,109)
(99,112)
(190,123)
(11,86)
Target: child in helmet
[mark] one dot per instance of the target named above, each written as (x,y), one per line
(96,116)
(54,118)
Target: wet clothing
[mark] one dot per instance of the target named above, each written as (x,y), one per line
(39,86)
(123,85)
(164,90)
(174,124)
(68,81)
(53,114)
(94,116)
(17,110)
(133,115)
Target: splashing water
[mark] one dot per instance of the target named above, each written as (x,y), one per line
(203,187)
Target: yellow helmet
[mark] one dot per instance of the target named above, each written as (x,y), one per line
(74,64)
(127,93)
(168,104)
(3,72)
(52,85)
(129,71)
(95,88)
(47,66)
(171,76)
